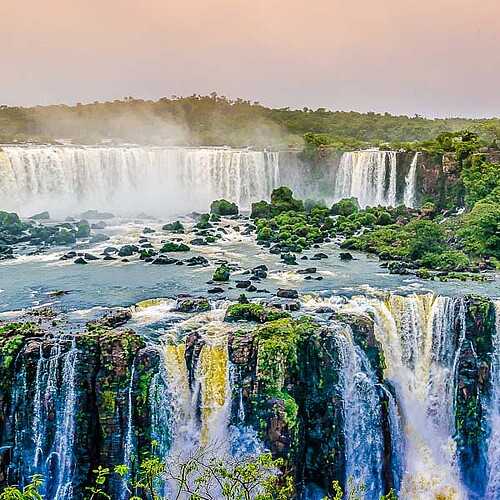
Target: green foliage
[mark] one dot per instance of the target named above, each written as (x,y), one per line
(481,231)
(29,492)
(481,179)
(424,236)
(223,207)
(174,247)
(345,207)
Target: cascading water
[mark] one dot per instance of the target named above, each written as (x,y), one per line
(158,180)
(369,176)
(493,453)
(362,417)
(409,198)
(54,420)
(418,337)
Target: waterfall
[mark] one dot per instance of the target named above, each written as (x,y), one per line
(54,419)
(362,417)
(410,184)
(63,179)
(418,337)
(369,176)
(493,453)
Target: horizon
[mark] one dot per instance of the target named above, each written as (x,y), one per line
(251,101)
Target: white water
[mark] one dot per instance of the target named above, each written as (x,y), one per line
(417,333)
(493,486)
(410,184)
(128,180)
(369,176)
(362,418)
(56,453)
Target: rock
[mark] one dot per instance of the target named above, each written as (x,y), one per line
(175,227)
(198,260)
(223,207)
(346,256)
(41,216)
(324,310)
(216,289)
(287,293)
(89,256)
(190,304)
(307,270)
(251,288)
(108,257)
(253,312)
(80,260)
(109,250)
(199,242)
(260,271)
(289,258)
(148,230)
(174,247)
(319,256)
(98,238)
(163,260)
(222,273)
(127,250)
(304,257)
(275,249)
(95,214)
(98,225)
(243,284)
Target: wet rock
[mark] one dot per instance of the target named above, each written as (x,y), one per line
(98,225)
(95,214)
(190,304)
(127,250)
(98,238)
(163,260)
(260,271)
(319,256)
(109,257)
(41,216)
(307,270)
(286,293)
(251,288)
(80,260)
(216,289)
(197,260)
(198,242)
(346,256)
(243,284)
(289,258)
(109,250)
(89,256)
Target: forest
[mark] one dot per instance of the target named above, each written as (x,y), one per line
(214,120)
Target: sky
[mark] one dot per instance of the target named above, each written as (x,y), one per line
(435,58)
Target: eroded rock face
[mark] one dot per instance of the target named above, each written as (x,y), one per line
(73,392)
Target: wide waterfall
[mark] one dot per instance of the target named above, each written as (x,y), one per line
(132,179)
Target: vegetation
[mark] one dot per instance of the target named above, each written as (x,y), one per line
(215,120)
(223,207)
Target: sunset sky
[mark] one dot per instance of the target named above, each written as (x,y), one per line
(431,57)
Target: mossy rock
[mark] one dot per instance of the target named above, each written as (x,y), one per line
(223,207)
(222,273)
(174,247)
(254,312)
(347,206)
(174,227)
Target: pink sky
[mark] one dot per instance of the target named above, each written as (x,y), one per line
(432,57)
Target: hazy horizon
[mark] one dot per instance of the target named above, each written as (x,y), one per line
(435,59)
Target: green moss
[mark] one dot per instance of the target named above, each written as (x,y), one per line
(223,207)
(222,273)
(174,247)
(254,312)
(175,227)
